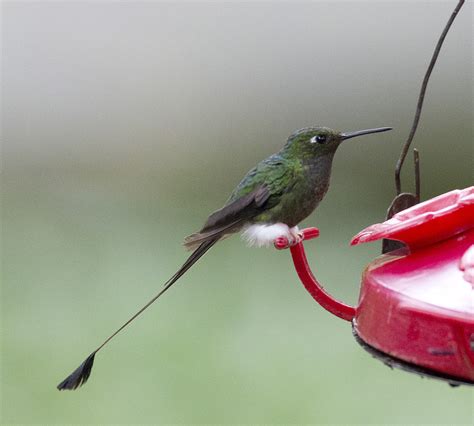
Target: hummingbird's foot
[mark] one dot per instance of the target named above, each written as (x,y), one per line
(296,236)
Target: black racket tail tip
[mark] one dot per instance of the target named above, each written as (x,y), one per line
(79,376)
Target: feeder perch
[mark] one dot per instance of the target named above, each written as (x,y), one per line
(416,304)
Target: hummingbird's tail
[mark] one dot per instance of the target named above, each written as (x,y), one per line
(80,375)
(194,241)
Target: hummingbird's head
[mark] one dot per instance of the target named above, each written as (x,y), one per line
(313,142)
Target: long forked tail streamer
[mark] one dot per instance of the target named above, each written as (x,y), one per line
(81,374)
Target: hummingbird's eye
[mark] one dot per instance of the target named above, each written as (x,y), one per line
(318,139)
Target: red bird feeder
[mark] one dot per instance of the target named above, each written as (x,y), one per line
(416,304)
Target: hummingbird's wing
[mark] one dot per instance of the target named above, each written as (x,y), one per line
(260,190)
(229,218)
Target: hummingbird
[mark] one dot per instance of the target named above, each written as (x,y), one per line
(268,203)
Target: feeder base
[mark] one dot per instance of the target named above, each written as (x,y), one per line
(392,362)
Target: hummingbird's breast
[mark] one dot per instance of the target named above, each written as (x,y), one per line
(301,199)
(308,196)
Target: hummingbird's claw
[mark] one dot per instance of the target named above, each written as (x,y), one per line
(296,236)
(299,237)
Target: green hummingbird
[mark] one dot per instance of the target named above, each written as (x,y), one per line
(268,203)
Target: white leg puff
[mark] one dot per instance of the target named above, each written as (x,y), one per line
(263,235)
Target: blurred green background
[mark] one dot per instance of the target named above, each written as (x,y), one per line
(126,123)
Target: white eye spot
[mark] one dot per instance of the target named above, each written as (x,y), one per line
(320,139)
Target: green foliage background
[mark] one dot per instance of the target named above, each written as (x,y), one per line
(125,124)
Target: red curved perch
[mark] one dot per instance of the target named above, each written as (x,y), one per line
(310,283)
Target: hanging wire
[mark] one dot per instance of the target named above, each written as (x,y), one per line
(421,98)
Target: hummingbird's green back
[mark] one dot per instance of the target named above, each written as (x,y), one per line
(297,176)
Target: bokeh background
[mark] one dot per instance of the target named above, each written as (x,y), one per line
(126,123)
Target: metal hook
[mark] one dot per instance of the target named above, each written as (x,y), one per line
(404,201)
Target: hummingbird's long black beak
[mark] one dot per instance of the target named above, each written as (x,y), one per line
(348,135)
